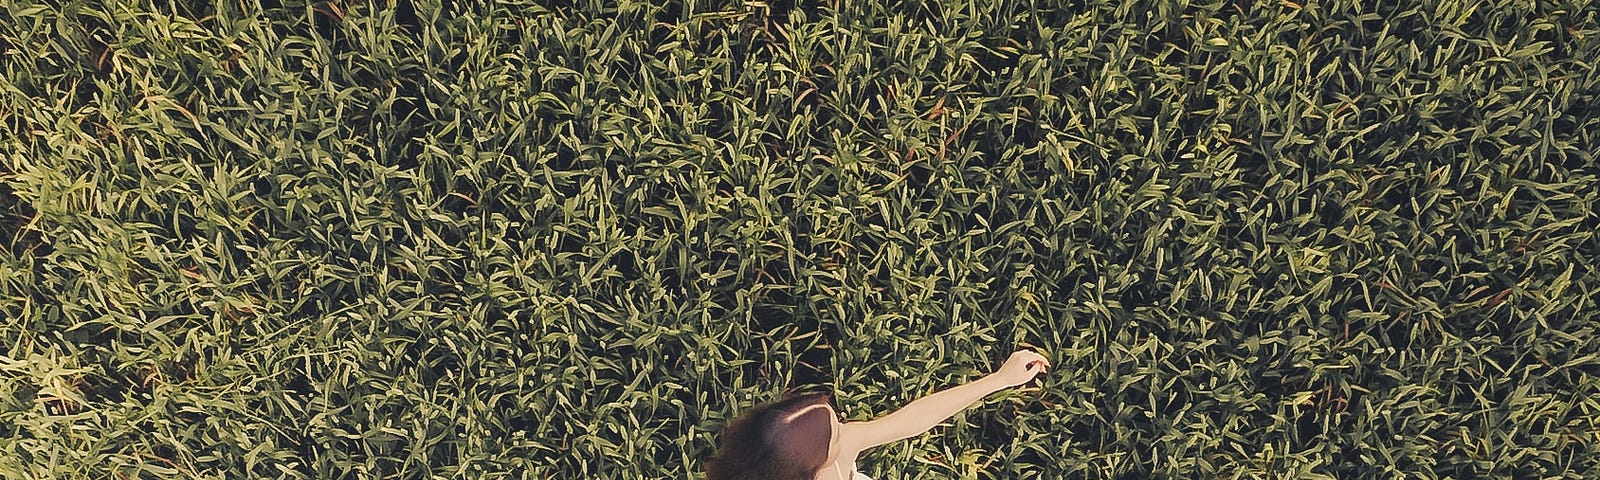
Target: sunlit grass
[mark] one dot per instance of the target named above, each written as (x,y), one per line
(571,239)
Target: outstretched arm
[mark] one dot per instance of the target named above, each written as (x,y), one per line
(922,414)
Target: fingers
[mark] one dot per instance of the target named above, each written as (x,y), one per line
(1029,360)
(1032,360)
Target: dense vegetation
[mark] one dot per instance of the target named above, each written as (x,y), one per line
(1262,239)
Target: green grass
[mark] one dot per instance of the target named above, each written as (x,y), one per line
(572,239)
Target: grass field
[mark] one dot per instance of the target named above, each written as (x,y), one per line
(561,240)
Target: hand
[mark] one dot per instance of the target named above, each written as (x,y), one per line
(1021,367)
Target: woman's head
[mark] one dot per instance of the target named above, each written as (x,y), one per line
(790,439)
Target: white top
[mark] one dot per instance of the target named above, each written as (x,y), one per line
(854,475)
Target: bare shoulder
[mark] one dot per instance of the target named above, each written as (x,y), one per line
(855,437)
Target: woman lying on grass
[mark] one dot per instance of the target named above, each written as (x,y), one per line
(802,438)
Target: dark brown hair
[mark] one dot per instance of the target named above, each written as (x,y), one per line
(759,445)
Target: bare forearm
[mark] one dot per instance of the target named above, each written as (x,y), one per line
(922,414)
